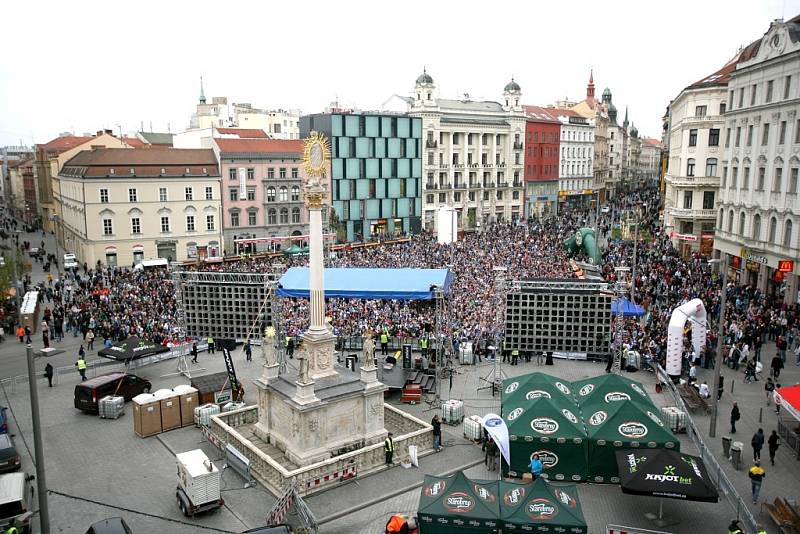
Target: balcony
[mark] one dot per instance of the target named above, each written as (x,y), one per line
(501,166)
(431,186)
(689,213)
(517,145)
(488,185)
(443,167)
(695,181)
(706,118)
(502,184)
(460,186)
(488,165)
(516,184)
(458,165)
(431,144)
(445,185)
(473,165)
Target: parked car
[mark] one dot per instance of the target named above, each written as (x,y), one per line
(16,496)
(9,457)
(33,252)
(112,525)
(122,384)
(70,261)
(605,209)
(3,418)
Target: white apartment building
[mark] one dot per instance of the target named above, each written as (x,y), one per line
(759,213)
(121,206)
(575,175)
(650,159)
(693,169)
(473,156)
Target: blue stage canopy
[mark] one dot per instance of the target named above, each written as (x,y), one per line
(356,283)
(629,309)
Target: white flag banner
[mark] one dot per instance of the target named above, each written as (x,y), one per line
(497,429)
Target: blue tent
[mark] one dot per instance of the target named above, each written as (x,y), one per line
(359,283)
(629,309)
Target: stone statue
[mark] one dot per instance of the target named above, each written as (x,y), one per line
(268,346)
(302,374)
(369,351)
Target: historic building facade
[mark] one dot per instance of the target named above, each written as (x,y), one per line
(542,141)
(576,159)
(120,206)
(597,110)
(759,212)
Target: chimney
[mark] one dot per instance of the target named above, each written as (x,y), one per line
(99,133)
(110,132)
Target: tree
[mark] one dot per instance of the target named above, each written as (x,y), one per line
(337,226)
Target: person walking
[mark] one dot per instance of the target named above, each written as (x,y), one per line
(773,442)
(720,387)
(536,466)
(384,343)
(81,365)
(210,342)
(388,448)
(490,458)
(290,346)
(28,335)
(756,475)
(89,338)
(769,388)
(21,334)
(248,351)
(735,416)
(436,423)
(81,352)
(757,442)
(776,366)
(194,352)
(48,373)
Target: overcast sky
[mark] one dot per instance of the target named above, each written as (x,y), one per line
(81,66)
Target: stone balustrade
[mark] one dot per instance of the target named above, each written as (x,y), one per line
(311,478)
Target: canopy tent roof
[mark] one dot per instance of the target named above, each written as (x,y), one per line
(629,309)
(665,473)
(789,399)
(609,388)
(132,348)
(544,419)
(541,505)
(362,283)
(533,385)
(456,504)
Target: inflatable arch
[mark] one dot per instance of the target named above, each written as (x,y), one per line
(695,310)
(585,238)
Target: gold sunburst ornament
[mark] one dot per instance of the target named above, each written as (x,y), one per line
(316,155)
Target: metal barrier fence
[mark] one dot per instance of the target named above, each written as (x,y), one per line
(718,476)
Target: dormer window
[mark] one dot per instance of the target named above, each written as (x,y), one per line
(132,170)
(205,170)
(111,171)
(163,170)
(188,171)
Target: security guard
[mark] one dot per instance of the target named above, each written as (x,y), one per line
(761,529)
(388,448)
(384,343)
(734,527)
(423,345)
(11,528)
(210,342)
(514,356)
(81,365)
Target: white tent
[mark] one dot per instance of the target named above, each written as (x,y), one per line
(695,310)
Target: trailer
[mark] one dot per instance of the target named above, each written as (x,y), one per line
(198,483)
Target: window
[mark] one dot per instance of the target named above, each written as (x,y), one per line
(741,224)
(189,223)
(210,223)
(251,173)
(753,91)
(284,194)
(708,200)
(797,131)
(251,193)
(750,135)
(738,136)
(209,193)
(700,111)
(104,196)
(765,135)
(136,225)
(768,97)
(687,199)
(746,178)
(296,192)
(282,173)
(793,181)
(188,193)
(457,196)
(162,194)
(271,173)
(515,195)
(730,221)
(232,174)
(499,195)
(773,230)
(270,194)
(455,138)
(251,218)
(777,180)
(690,167)
(724,177)
(442,198)
(727,138)
(734,177)
(234,218)
(787,233)
(711,167)
(787,85)
(722,108)
(132,196)
(757,227)
(284,216)
(233,194)
(713,137)
(271,216)
(108,227)
(760,181)
(693,137)
(741,98)
(429,199)
(295,215)
(782,133)
(295,173)
(165,223)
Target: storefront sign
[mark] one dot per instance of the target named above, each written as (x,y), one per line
(749,256)
(753,266)
(683,237)
(785,266)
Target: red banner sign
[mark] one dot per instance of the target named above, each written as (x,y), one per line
(785,266)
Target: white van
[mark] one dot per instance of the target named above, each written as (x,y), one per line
(70,261)
(16,494)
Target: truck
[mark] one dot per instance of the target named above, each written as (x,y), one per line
(198,488)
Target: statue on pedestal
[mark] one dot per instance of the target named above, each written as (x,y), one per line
(268,346)
(302,360)
(369,351)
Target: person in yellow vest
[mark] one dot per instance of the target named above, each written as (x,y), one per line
(12,529)
(423,346)
(210,342)
(388,448)
(384,343)
(760,529)
(514,356)
(81,365)
(734,527)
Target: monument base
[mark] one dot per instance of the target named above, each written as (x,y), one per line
(320,346)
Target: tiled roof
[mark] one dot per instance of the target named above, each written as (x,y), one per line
(66,142)
(109,157)
(651,142)
(446,104)
(540,114)
(282,146)
(723,75)
(133,142)
(244,133)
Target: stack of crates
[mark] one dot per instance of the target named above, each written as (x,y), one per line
(111,407)
(675,418)
(473,427)
(202,414)
(452,411)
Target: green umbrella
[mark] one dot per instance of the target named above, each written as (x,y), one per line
(458,505)
(519,390)
(541,507)
(610,388)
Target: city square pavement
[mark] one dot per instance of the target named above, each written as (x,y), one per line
(99,468)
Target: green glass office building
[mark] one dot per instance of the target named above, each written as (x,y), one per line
(376,171)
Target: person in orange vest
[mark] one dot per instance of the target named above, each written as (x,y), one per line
(21,334)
